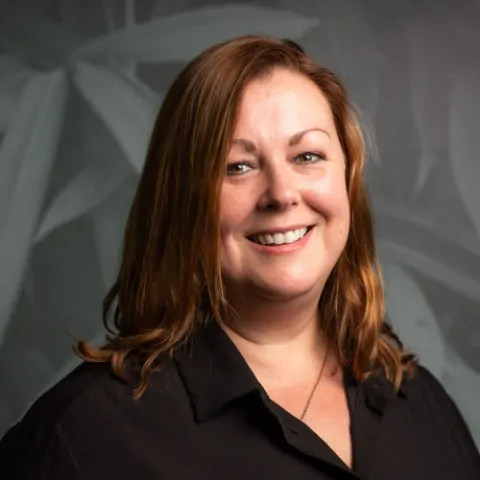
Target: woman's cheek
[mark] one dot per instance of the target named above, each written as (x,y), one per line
(329,197)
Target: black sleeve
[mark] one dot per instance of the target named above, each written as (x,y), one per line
(445,411)
(34,451)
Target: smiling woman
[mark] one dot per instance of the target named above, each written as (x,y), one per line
(249,338)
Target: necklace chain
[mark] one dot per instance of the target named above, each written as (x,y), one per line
(314,389)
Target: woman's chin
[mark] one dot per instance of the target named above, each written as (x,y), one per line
(282,289)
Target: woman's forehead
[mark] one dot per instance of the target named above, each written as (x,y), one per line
(283,104)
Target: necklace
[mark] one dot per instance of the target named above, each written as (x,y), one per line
(314,389)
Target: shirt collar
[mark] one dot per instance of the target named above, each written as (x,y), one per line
(378,391)
(215,373)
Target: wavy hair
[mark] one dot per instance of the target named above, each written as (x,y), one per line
(170,276)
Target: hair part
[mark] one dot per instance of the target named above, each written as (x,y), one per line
(170,277)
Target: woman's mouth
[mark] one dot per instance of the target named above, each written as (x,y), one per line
(280,238)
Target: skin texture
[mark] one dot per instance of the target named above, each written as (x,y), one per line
(276,178)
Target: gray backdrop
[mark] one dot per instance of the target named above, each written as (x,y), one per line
(80,83)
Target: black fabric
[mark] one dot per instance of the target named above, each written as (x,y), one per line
(205,416)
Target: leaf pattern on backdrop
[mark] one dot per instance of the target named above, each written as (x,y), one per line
(14,75)
(464,138)
(108,224)
(32,37)
(193,31)
(413,319)
(426,265)
(88,189)
(428,84)
(31,140)
(126,106)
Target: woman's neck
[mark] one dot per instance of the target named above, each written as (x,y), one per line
(277,336)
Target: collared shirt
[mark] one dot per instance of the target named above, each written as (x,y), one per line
(205,416)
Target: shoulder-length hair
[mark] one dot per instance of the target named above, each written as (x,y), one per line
(170,276)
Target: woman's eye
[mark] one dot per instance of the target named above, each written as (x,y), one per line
(238,168)
(309,157)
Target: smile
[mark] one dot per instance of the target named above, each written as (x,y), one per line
(280,238)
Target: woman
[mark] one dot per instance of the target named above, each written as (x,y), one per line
(249,338)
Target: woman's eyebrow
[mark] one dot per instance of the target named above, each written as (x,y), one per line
(250,147)
(297,137)
(247,145)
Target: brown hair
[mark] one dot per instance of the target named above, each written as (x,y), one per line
(170,275)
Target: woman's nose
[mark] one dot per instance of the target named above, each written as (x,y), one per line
(280,191)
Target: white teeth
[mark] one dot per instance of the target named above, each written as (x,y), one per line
(290,237)
(280,238)
(267,239)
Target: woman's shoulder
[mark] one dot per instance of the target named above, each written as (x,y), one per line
(73,392)
(87,390)
(87,411)
(431,404)
(424,391)
(423,387)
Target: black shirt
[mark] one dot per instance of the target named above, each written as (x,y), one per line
(205,416)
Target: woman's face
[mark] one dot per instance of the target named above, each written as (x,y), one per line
(284,205)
